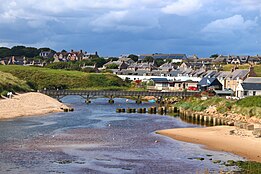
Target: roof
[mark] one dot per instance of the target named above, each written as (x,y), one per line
(164,56)
(253,80)
(251,86)
(160,80)
(223,92)
(206,81)
(238,73)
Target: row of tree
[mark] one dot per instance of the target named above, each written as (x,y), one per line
(29,52)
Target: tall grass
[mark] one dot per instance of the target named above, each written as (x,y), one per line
(8,82)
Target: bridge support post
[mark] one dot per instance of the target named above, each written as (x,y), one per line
(111,101)
(87,101)
(138,101)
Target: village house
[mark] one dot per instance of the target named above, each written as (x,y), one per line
(169,85)
(237,76)
(209,83)
(149,66)
(46,54)
(254,60)
(174,57)
(250,87)
(120,65)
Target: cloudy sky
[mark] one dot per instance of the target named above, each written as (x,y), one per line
(115,27)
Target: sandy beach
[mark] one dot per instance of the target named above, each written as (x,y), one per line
(29,104)
(218,138)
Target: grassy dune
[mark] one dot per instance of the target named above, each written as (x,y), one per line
(40,78)
(8,82)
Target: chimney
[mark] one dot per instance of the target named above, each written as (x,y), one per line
(251,72)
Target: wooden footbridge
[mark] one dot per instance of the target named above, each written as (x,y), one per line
(87,94)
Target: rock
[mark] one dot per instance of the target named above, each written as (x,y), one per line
(250,127)
(230,123)
(232,132)
(216,161)
(257,132)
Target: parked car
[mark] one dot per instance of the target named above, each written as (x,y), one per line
(192,88)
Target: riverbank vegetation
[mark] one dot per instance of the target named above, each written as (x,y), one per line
(249,106)
(40,78)
(10,83)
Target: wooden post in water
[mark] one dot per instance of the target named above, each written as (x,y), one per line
(214,121)
(111,101)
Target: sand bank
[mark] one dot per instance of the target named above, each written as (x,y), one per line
(29,104)
(218,138)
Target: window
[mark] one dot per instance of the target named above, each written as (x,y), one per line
(254,93)
(245,93)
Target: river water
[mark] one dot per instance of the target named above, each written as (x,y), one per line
(96,139)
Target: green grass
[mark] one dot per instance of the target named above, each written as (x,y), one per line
(249,167)
(257,68)
(249,106)
(8,83)
(254,101)
(40,78)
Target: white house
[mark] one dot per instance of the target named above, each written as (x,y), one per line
(250,87)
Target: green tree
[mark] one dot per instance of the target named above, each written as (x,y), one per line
(5,52)
(214,56)
(159,62)
(112,66)
(133,57)
(148,59)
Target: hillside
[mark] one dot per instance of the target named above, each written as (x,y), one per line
(8,82)
(257,68)
(40,78)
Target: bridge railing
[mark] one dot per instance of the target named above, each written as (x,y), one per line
(117,93)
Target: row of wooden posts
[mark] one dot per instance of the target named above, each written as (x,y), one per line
(204,119)
(151,110)
(185,115)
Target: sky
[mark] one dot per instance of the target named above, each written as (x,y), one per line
(116,27)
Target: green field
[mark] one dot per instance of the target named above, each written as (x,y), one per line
(40,78)
(257,68)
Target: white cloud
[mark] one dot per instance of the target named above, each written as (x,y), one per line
(124,21)
(183,7)
(251,5)
(234,23)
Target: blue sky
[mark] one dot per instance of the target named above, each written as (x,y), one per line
(115,27)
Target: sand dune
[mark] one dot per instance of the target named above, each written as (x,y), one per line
(29,104)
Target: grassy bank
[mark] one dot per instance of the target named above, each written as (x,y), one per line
(8,83)
(249,106)
(40,78)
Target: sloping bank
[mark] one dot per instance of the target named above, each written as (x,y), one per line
(29,104)
(223,138)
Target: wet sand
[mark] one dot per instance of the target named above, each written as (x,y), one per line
(219,138)
(29,104)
